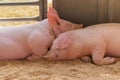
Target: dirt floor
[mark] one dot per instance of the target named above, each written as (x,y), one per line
(49,70)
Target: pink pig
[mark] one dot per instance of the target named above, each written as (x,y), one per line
(32,41)
(101,42)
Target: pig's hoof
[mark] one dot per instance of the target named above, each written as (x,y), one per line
(109,60)
(86,59)
(104,61)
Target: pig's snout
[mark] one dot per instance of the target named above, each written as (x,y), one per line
(51,55)
(47,57)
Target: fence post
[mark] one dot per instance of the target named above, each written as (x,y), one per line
(45,8)
(42,9)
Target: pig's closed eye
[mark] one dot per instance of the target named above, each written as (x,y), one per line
(68,25)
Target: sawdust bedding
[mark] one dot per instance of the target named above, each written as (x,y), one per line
(57,70)
(50,70)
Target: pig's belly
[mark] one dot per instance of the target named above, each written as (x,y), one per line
(10,49)
(113,48)
(12,54)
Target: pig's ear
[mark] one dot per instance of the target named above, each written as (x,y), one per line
(53,17)
(62,42)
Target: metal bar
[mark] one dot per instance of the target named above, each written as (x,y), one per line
(40,3)
(41,9)
(36,18)
(19,3)
(45,9)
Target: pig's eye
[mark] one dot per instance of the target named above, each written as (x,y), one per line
(68,25)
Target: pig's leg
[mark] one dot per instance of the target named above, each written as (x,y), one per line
(62,42)
(99,59)
(98,50)
(86,59)
(38,44)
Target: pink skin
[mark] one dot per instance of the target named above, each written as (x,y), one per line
(32,41)
(101,42)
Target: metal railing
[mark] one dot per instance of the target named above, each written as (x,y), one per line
(42,9)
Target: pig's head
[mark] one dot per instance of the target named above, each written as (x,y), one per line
(61,54)
(61,49)
(59,25)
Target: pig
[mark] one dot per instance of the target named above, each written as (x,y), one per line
(32,41)
(101,42)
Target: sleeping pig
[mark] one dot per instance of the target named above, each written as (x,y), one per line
(101,42)
(32,41)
